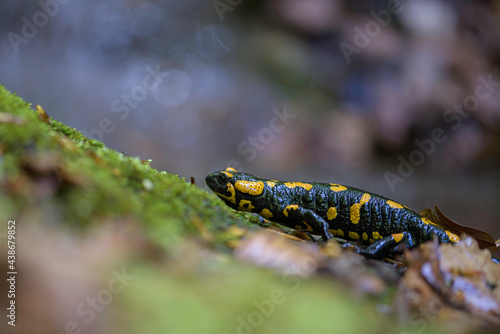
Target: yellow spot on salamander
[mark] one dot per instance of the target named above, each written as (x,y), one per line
(353,235)
(397,236)
(453,237)
(365,199)
(337,187)
(371,240)
(394,205)
(376,235)
(271,183)
(427,222)
(266,213)
(306,186)
(290,207)
(232,197)
(245,205)
(307,228)
(356,207)
(364,236)
(231,169)
(355,215)
(337,233)
(331,213)
(227,173)
(250,187)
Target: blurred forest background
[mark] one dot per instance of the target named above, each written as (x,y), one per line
(317,90)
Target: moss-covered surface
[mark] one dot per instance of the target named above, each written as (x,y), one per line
(65,191)
(55,169)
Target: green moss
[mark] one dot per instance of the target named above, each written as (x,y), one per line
(54,170)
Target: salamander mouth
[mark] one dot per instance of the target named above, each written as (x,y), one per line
(221,185)
(216,187)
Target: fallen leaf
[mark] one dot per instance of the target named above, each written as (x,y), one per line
(457,277)
(484,239)
(43,115)
(270,249)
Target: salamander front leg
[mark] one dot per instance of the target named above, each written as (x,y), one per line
(307,221)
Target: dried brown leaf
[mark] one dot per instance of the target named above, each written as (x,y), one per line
(42,114)
(484,239)
(461,276)
(269,249)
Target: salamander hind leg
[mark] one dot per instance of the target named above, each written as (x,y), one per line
(387,245)
(307,221)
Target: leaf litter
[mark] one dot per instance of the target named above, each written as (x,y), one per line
(456,284)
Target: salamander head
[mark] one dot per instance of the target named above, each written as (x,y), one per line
(238,190)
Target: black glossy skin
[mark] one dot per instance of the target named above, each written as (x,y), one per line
(393,226)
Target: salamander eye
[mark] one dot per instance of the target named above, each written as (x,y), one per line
(222,178)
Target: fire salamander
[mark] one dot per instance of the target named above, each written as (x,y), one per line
(329,209)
